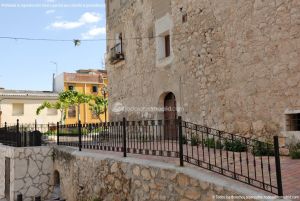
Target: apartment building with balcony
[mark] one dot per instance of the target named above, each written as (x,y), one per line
(86,81)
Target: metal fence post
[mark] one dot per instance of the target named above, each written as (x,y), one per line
(35,125)
(80,135)
(18,134)
(57,133)
(278,168)
(180,141)
(124,138)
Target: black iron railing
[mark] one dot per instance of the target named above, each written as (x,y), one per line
(24,135)
(250,161)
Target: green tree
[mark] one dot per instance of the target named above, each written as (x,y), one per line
(98,106)
(74,98)
(65,100)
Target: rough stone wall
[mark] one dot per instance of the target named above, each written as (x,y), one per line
(30,174)
(94,176)
(236,64)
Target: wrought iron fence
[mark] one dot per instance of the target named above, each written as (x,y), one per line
(250,161)
(24,135)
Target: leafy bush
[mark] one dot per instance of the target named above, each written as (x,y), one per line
(49,133)
(212,143)
(195,140)
(294,149)
(295,154)
(96,130)
(74,131)
(262,149)
(235,146)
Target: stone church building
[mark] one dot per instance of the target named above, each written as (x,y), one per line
(233,65)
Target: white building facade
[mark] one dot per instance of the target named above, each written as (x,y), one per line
(22,105)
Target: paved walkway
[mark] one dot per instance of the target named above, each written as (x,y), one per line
(290,176)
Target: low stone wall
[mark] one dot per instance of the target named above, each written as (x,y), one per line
(31,170)
(95,176)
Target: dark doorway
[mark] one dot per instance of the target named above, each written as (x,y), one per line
(7,178)
(56,190)
(56,178)
(170,115)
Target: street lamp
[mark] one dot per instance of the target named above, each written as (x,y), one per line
(56,66)
(54,74)
(104,92)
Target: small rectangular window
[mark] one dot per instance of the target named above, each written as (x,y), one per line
(167,46)
(293,122)
(72,112)
(95,89)
(17,109)
(71,87)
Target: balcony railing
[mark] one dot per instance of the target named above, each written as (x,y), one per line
(116,54)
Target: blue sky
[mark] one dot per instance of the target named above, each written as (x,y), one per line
(27,64)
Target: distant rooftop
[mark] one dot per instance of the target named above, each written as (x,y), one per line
(91,71)
(93,76)
(8,92)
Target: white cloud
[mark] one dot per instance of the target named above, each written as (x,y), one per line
(94,32)
(66,25)
(50,12)
(90,18)
(86,18)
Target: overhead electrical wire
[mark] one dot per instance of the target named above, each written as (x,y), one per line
(43,39)
(80,40)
